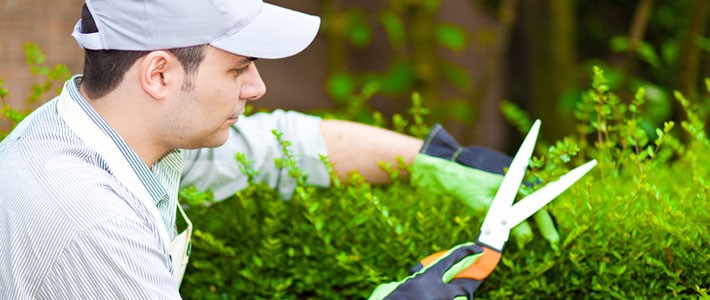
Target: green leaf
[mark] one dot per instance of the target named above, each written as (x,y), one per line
(648,54)
(429,5)
(670,51)
(340,86)
(458,76)
(394,28)
(640,95)
(397,79)
(320,223)
(458,109)
(451,37)
(704,43)
(619,44)
(359,31)
(3,91)
(565,158)
(12,114)
(576,233)
(668,126)
(618,270)
(33,55)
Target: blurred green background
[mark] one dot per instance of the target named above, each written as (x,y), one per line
(464,57)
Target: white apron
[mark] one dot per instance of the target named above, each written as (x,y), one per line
(84,127)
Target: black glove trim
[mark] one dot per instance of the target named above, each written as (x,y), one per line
(439,143)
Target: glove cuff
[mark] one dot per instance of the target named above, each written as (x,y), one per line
(439,143)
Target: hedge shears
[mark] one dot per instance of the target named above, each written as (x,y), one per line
(503,215)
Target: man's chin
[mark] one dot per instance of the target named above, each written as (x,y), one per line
(213,142)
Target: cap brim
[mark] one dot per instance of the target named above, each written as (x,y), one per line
(276,32)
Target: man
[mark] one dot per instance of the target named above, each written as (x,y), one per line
(89,181)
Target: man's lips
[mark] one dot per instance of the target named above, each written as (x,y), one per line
(234,118)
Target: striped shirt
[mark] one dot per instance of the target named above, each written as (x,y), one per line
(70,230)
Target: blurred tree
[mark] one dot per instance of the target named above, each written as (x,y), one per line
(548,36)
(489,127)
(689,77)
(658,45)
(425,46)
(456,53)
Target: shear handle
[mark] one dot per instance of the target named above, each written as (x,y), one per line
(480,270)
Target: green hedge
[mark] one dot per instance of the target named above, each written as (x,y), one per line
(635,227)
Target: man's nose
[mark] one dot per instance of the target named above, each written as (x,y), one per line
(253,87)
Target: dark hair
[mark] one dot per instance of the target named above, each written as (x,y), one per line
(104,69)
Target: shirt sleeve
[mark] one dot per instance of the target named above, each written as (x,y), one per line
(218,170)
(117,259)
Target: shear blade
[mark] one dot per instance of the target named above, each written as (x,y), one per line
(494,230)
(524,208)
(510,185)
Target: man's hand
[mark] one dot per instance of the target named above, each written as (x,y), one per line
(472,175)
(436,280)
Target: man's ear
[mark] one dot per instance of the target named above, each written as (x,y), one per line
(154,70)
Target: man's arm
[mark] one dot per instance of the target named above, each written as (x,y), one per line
(350,146)
(217,168)
(354,146)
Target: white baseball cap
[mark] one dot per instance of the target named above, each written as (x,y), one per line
(249,28)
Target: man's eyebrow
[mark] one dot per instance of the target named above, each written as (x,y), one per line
(245,60)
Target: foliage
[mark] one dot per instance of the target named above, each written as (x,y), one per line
(425,47)
(415,58)
(633,228)
(35,59)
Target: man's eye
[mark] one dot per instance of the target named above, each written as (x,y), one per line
(241,71)
(238,71)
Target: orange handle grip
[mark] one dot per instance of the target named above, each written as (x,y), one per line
(483,267)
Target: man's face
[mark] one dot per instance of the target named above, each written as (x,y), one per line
(220,89)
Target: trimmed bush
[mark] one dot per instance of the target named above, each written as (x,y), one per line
(635,227)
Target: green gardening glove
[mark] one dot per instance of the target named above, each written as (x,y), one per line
(471,175)
(436,280)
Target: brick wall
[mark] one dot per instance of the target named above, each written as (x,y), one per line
(44,22)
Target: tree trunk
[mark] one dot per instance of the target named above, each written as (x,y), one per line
(548,29)
(490,129)
(690,59)
(636,34)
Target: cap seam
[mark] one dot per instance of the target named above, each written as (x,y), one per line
(236,29)
(219,5)
(149,26)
